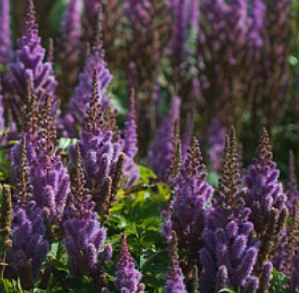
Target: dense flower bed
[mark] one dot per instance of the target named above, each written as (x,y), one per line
(120,168)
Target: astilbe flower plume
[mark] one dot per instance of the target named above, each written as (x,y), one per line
(174,277)
(78,104)
(30,65)
(188,211)
(48,176)
(69,50)
(84,236)
(29,247)
(127,277)
(160,153)
(229,253)
(6,52)
(102,156)
(267,201)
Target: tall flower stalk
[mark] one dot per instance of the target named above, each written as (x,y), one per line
(30,64)
(229,253)
(267,201)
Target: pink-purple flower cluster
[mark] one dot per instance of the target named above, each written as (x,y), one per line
(30,65)
(127,277)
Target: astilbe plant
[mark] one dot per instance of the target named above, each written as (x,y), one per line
(267,201)
(229,253)
(160,153)
(78,103)
(30,65)
(127,278)
(70,51)
(174,277)
(29,246)
(188,211)
(84,236)
(48,176)
(102,156)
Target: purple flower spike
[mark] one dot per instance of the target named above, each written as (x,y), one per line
(192,193)
(265,197)
(127,277)
(101,148)
(28,238)
(160,153)
(174,277)
(48,176)
(107,253)
(84,240)
(84,236)
(6,52)
(230,252)
(79,102)
(30,63)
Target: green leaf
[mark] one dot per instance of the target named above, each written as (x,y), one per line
(7,286)
(145,175)
(64,143)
